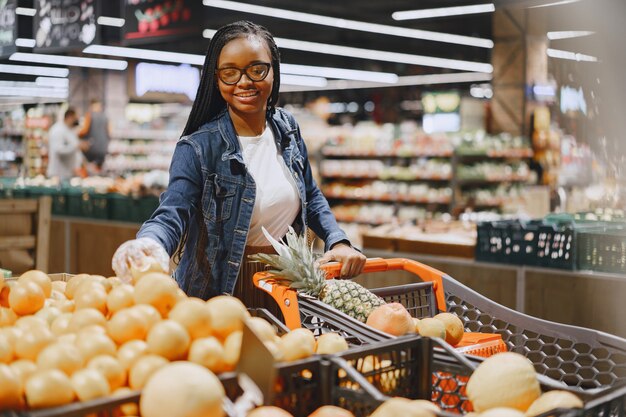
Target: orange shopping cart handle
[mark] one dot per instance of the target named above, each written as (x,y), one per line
(425,272)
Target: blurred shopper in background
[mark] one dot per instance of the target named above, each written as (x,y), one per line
(241,165)
(64,147)
(97,133)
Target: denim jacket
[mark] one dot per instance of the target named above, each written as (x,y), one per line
(211,196)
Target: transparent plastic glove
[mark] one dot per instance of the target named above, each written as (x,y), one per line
(136,257)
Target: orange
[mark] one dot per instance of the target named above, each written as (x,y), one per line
(392,318)
(120,297)
(10,389)
(93,344)
(127,324)
(32,342)
(26,298)
(230,314)
(129,352)
(48,389)
(38,277)
(7,317)
(61,356)
(110,368)
(6,349)
(86,317)
(208,352)
(91,296)
(61,325)
(158,290)
(169,339)
(89,384)
(194,315)
(143,368)
(23,368)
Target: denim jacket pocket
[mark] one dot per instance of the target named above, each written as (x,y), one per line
(217,198)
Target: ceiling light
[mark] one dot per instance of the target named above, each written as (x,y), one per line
(24,42)
(376,55)
(111,21)
(431,79)
(154,55)
(145,54)
(303,80)
(347,74)
(557,53)
(350,24)
(52,82)
(556,3)
(569,34)
(33,92)
(71,61)
(25,11)
(31,70)
(443,11)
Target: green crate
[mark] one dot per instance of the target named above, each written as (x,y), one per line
(119,207)
(144,207)
(603,249)
(99,206)
(75,205)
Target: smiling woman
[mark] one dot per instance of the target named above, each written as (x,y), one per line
(240,166)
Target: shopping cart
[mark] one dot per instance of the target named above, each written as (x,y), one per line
(580,358)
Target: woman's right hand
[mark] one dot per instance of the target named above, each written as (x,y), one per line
(139,255)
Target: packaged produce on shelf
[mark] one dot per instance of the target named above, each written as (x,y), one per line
(502,145)
(366,213)
(389,191)
(490,171)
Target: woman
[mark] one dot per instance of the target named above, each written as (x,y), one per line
(241,164)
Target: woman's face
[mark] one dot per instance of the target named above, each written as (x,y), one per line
(245,97)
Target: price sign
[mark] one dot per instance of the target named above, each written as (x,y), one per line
(8,27)
(65,24)
(147,20)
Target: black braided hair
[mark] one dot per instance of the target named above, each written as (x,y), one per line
(209,102)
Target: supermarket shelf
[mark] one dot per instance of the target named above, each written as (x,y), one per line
(335,153)
(388,199)
(145,135)
(504,154)
(482,181)
(384,178)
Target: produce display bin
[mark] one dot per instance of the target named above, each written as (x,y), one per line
(581,358)
(602,250)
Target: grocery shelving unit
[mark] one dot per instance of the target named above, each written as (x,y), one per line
(140,150)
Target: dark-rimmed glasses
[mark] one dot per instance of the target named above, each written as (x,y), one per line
(255,72)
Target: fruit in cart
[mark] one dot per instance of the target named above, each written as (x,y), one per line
(32,342)
(120,297)
(182,389)
(330,343)
(48,389)
(394,407)
(26,298)
(169,339)
(111,369)
(127,324)
(230,313)
(392,318)
(128,409)
(208,352)
(6,350)
(262,328)
(415,324)
(502,412)
(232,349)
(129,352)
(194,315)
(65,358)
(48,314)
(297,344)
(429,327)
(503,380)
(551,400)
(331,411)
(92,345)
(454,327)
(268,411)
(295,267)
(158,290)
(23,368)
(143,368)
(39,278)
(89,384)
(10,389)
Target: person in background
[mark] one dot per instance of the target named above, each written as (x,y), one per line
(240,165)
(64,147)
(97,132)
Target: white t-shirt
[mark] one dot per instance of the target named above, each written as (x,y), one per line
(277,202)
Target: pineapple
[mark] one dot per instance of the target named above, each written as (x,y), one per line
(295,267)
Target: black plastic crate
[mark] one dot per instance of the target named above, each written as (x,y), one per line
(602,249)
(507,241)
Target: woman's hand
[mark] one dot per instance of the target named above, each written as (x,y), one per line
(137,256)
(351,259)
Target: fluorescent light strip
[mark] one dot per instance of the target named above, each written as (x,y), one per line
(71,61)
(111,21)
(154,55)
(463,77)
(145,54)
(346,74)
(428,61)
(33,92)
(556,3)
(350,24)
(443,11)
(569,34)
(25,11)
(32,70)
(557,53)
(303,80)
(24,42)
(31,84)
(52,82)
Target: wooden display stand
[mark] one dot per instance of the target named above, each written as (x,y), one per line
(24,234)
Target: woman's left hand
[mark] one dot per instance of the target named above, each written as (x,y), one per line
(351,259)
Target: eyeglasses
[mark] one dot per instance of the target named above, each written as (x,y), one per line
(255,72)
